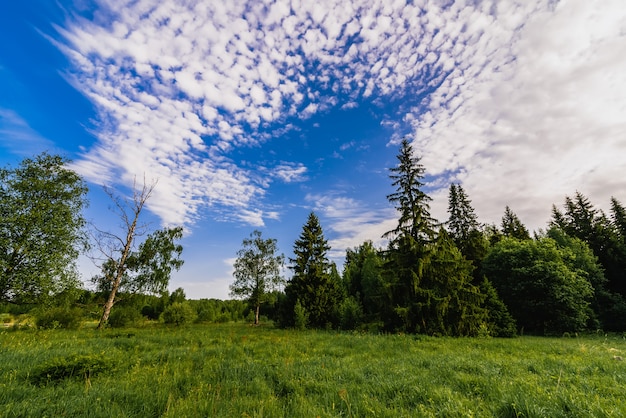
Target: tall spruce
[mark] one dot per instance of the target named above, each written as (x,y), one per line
(512,226)
(314,286)
(462,218)
(426,279)
(618,217)
(410,199)
(464,228)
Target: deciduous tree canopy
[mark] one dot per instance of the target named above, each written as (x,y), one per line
(41,229)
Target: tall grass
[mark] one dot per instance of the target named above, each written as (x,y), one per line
(234,370)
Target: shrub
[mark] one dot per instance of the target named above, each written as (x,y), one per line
(351,314)
(58,369)
(179,313)
(68,318)
(124,316)
(300,315)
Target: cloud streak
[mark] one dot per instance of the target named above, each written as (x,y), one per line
(490,89)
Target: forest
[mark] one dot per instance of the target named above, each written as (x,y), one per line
(456,277)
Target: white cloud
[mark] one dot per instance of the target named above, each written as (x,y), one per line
(290,172)
(516,92)
(350,222)
(534,111)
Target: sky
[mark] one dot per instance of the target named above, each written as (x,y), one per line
(251,114)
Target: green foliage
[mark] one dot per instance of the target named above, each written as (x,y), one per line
(300,316)
(178,296)
(410,200)
(179,313)
(350,314)
(447,301)
(149,268)
(41,229)
(257,271)
(606,239)
(500,323)
(543,293)
(512,226)
(465,230)
(124,316)
(58,317)
(362,278)
(315,281)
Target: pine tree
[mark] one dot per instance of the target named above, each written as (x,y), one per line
(512,226)
(464,228)
(410,199)
(314,282)
(462,218)
(447,302)
(618,217)
(425,277)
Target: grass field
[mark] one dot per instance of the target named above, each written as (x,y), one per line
(235,370)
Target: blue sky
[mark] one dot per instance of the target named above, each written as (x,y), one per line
(251,114)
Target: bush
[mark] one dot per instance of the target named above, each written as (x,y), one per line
(68,318)
(59,369)
(300,315)
(179,313)
(123,316)
(350,313)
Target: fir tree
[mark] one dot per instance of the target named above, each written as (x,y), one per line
(512,226)
(410,199)
(464,228)
(315,281)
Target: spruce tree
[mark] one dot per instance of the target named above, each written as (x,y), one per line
(426,279)
(314,284)
(464,228)
(410,200)
(512,226)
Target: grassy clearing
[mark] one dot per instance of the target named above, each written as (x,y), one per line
(234,370)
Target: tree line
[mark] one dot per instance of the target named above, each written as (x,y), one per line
(457,277)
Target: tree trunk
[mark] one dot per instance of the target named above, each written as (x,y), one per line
(108,305)
(256,316)
(121,269)
(139,200)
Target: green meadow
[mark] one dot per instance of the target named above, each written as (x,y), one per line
(237,370)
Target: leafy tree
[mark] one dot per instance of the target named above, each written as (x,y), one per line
(581,220)
(257,271)
(179,313)
(178,296)
(363,281)
(125,267)
(41,229)
(313,283)
(608,308)
(512,226)
(542,292)
(411,201)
